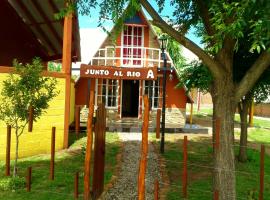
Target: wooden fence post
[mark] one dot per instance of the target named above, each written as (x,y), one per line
(216,195)
(8,150)
(144,151)
(262,172)
(88,153)
(184,175)
(77,121)
(156,192)
(28,179)
(99,152)
(52,154)
(76,185)
(31,117)
(158,123)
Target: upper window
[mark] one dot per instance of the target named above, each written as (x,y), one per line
(153,90)
(107,92)
(132,46)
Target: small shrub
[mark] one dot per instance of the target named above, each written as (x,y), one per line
(12,183)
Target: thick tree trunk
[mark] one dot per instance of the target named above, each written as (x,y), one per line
(224,159)
(243,111)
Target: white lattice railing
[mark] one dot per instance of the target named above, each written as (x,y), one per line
(112,56)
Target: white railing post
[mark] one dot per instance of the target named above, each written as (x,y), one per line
(105,62)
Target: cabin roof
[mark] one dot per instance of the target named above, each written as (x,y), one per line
(32,25)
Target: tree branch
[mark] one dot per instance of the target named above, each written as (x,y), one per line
(252,75)
(205,15)
(213,66)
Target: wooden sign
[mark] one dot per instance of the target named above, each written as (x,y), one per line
(106,72)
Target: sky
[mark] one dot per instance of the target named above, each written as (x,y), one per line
(92,36)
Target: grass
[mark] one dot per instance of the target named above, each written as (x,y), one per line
(67,163)
(208,112)
(200,161)
(257,135)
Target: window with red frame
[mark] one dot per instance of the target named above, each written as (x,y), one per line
(132,45)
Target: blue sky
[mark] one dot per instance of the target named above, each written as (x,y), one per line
(92,22)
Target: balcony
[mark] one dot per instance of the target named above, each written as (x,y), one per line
(129,57)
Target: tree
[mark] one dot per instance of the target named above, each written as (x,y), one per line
(221,24)
(23,88)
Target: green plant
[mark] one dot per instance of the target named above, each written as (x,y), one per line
(54,67)
(12,183)
(23,88)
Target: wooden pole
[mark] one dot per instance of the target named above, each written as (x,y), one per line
(144,151)
(28,179)
(184,175)
(8,150)
(99,153)
(76,185)
(158,123)
(191,114)
(31,117)
(66,68)
(52,154)
(156,192)
(88,154)
(262,172)
(77,121)
(216,195)
(251,113)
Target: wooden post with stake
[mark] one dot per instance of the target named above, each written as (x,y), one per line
(8,150)
(99,153)
(76,185)
(216,195)
(28,179)
(52,154)
(88,154)
(262,172)
(144,151)
(156,188)
(184,173)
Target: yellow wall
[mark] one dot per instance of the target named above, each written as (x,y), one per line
(39,141)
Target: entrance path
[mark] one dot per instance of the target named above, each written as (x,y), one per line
(126,187)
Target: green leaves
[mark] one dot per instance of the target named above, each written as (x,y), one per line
(195,75)
(23,88)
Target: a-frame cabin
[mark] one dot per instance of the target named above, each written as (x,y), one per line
(137,46)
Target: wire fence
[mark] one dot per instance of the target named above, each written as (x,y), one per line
(200,165)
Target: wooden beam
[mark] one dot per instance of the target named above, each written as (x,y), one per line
(47,21)
(66,68)
(40,31)
(88,153)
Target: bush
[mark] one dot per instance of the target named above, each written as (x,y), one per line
(12,183)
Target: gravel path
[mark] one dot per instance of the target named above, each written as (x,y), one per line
(125,187)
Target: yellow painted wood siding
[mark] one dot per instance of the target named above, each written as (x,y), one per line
(72,103)
(38,141)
